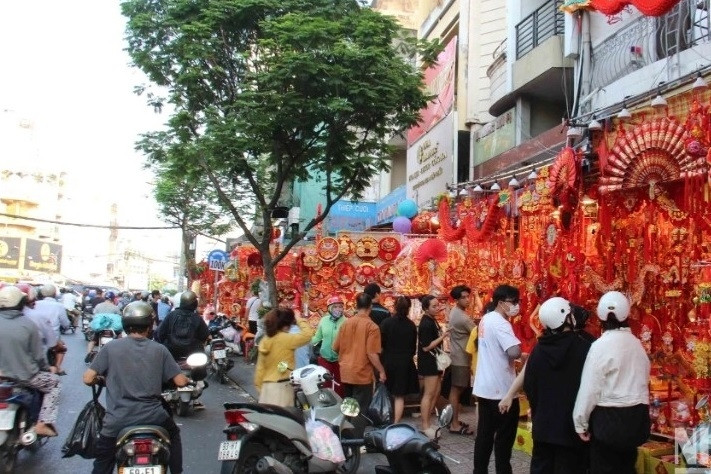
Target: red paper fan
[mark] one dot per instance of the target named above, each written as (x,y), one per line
(431,249)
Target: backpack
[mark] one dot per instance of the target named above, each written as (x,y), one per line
(180,335)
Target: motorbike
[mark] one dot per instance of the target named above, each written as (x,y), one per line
(145,449)
(72,325)
(19,409)
(181,399)
(269,438)
(105,336)
(220,363)
(408,450)
(86,326)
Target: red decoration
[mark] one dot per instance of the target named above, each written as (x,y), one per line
(255,260)
(431,249)
(646,7)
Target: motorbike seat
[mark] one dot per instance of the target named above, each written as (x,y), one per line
(294,413)
(130,431)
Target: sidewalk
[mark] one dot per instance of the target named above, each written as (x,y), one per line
(459,450)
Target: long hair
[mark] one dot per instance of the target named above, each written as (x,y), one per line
(402,306)
(277,319)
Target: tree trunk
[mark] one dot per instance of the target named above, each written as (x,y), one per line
(270,276)
(185,260)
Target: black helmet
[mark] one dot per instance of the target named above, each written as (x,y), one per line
(136,314)
(188,300)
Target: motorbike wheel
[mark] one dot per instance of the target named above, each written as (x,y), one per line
(221,376)
(183,408)
(247,462)
(352,453)
(9,449)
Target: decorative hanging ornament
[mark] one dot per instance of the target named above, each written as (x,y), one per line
(407,208)
(389,248)
(367,248)
(646,7)
(431,249)
(572,6)
(327,249)
(402,225)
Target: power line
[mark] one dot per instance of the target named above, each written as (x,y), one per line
(96,226)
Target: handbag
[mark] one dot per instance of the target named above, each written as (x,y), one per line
(442,358)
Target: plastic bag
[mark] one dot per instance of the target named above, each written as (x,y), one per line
(84,436)
(229,333)
(381,409)
(324,442)
(103,321)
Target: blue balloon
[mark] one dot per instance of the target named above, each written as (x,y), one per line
(407,208)
(402,224)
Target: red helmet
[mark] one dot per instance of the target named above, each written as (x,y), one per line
(334,300)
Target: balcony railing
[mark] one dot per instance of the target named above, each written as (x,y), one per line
(545,22)
(648,39)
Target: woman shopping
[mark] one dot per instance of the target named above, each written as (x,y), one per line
(430,338)
(277,346)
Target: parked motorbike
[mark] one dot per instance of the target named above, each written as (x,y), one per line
(268,438)
(145,449)
(407,449)
(19,409)
(220,363)
(181,399)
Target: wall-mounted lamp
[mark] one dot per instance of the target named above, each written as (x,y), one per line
(495,186)
(532,174)
(624,114)
(594,125)
(514,182)
(478,188)
(700,83)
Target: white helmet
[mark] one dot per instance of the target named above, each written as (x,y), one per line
(613,302)
(10,297)
(553,312)
(48,291)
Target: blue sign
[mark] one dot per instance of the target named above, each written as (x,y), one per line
(217,259)
(351,216)
(386,208)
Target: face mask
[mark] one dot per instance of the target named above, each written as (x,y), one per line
(513,310)
(336,313)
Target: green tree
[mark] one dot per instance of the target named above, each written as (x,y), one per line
(190,204)
(266,92)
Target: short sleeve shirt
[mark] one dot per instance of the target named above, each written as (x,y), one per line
(494,370)
(461,326)
(135,371)
(358,337)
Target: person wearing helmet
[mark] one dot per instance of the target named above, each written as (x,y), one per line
(134,369)
(48,308)
(551,382)
(612,407)
(107,306)
(326,333)
(23,358)
(183,331)
(41,319)
(97,298)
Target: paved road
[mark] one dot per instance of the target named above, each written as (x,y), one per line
(201,430)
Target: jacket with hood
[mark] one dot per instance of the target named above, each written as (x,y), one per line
(21,353)
(551,383)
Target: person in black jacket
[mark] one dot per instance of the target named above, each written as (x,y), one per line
(378,312)
(551,382)
(183,331)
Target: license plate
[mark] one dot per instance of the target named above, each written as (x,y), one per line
(219,353)
(185,389)
(229,450)
(7,419)
(143,470)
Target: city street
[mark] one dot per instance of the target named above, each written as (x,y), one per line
(201,430)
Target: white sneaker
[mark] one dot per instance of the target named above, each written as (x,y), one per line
(430,432)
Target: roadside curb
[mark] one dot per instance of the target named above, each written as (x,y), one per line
(242,375)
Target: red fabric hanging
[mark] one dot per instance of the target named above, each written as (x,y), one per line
(646,7)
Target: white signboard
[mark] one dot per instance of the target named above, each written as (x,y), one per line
(429,162)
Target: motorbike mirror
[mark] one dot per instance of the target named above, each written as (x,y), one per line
(445,417)
(282,367)
(199,359)
(350,407)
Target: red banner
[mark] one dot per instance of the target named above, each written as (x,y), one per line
(439,81)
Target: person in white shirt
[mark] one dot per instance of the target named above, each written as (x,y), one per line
(252,308)
(52,309)
(498,348)
(69,301)
(612,407)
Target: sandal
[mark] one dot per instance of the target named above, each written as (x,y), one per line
(47,431)
(463,430)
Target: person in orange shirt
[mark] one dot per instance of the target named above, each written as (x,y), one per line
(358,345)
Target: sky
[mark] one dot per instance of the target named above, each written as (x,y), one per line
(64,68)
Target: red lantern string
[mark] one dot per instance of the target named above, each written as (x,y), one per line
(646,7)
(446,230)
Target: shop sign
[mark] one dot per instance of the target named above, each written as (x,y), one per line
(439,82)
(10,252)
(351,216)
(495,137)
(429,162)
(43,256)
(386,208)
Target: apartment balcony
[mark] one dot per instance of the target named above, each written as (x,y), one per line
(649,40)
(540,71)
(497,73)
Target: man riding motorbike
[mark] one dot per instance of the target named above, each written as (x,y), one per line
(135,368)
(183,331)
(53,310)
(22,357)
